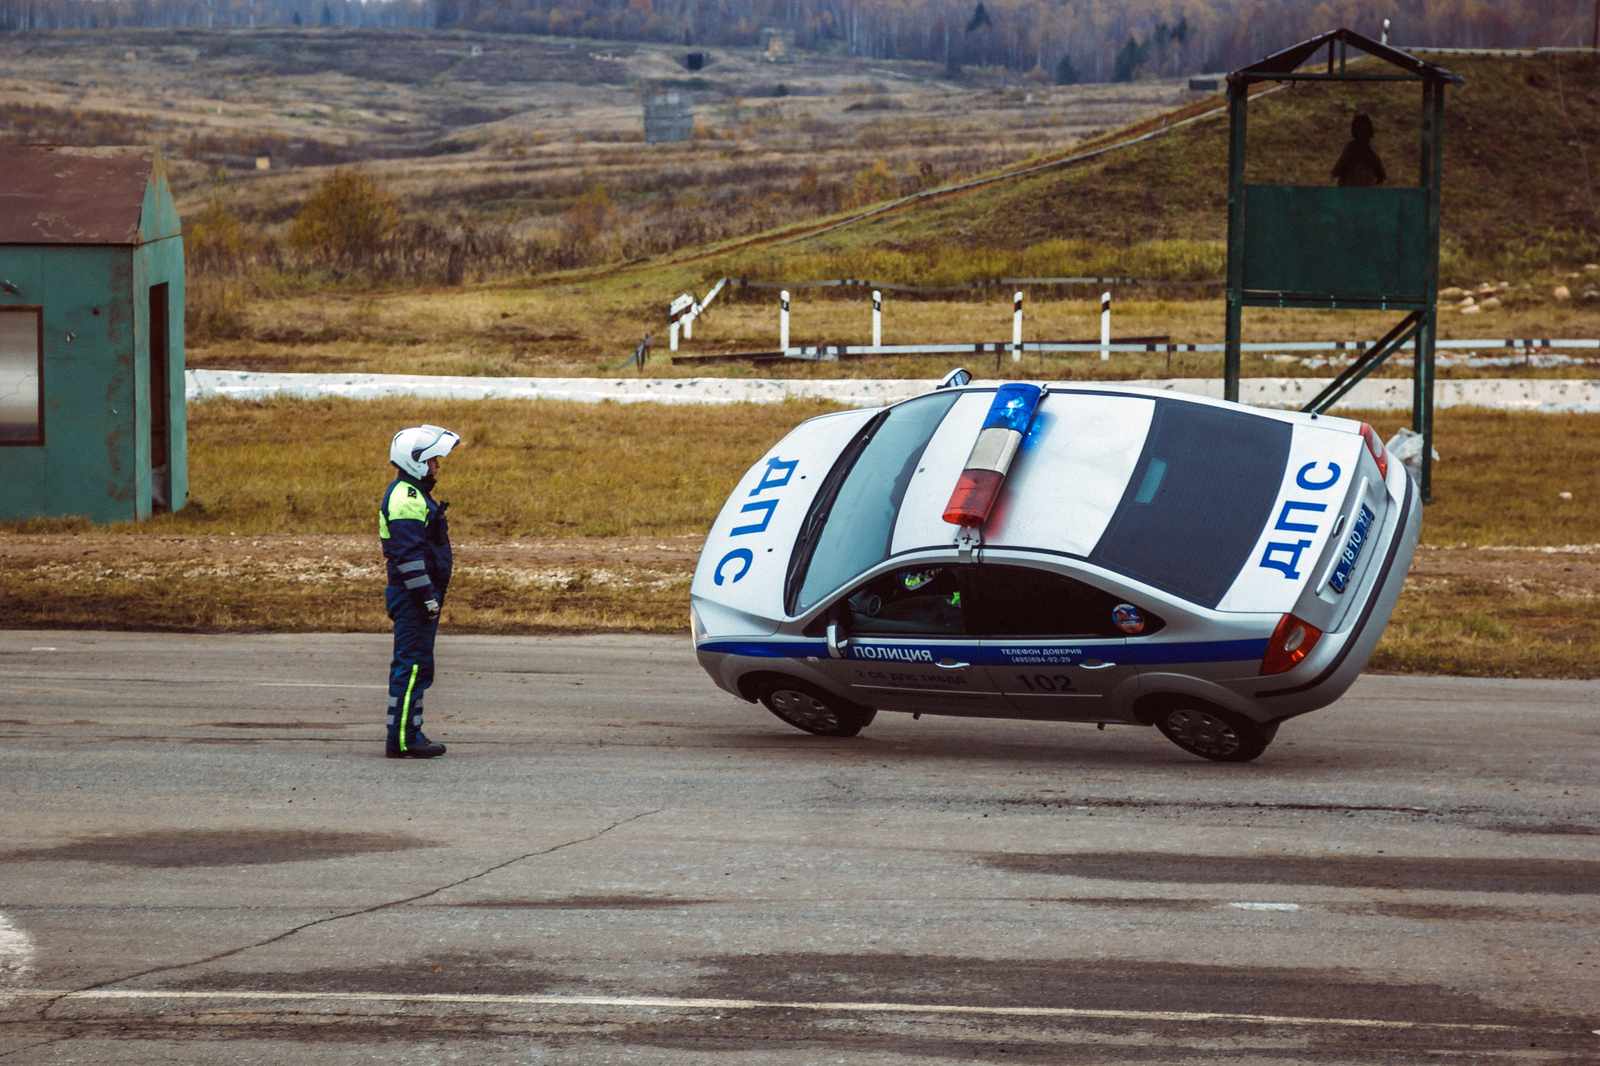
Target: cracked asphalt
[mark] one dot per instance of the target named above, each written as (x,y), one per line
(204,857)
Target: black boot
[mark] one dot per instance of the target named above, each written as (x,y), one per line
(420,747)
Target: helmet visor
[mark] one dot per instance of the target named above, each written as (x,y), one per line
(432,442)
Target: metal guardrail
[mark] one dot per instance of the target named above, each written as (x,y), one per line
(833,352)
(963,287)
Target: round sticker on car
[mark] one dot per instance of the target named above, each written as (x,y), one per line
(1128,618)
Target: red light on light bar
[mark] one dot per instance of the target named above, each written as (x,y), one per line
(974,496)
(1010,415)
(1375,446)
(1291,642)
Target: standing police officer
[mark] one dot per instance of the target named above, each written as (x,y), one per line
(416,552)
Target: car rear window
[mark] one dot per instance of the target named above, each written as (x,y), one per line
(851,524)
(1203,488)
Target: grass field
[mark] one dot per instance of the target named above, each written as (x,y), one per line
(539,236)
(578,517)
(558,469)
(590,330)
(1519,208)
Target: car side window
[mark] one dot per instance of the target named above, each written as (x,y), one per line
(913,601)
(1019,601)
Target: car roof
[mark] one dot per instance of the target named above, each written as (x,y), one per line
(1065,483)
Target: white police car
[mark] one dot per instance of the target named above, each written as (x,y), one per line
(1070,552)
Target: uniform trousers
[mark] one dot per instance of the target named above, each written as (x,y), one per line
(411,672)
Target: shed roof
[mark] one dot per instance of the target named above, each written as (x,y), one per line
(65,195)
(1289,60)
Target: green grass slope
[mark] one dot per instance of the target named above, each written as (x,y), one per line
(1522,154)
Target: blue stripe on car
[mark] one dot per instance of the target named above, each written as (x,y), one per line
(1199,651)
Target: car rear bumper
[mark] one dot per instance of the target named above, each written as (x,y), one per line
(1334,672)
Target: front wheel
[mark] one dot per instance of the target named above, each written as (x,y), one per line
(813,710)
(1216,734)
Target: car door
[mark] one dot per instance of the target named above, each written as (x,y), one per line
(902,645)
(1053,645)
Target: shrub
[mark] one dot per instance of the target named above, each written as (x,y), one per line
(585,223)
(873,184)
(347,219)
(215,237)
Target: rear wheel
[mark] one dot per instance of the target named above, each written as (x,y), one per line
(1213,733)
(809,708)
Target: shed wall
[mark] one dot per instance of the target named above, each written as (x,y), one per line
(154,264)
(86,465)
(95,460)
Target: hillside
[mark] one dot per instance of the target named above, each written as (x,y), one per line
(1522,148)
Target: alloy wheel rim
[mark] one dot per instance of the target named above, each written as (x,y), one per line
(1203,732)
(804,708)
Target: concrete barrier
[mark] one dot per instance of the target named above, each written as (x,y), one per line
(1547,395)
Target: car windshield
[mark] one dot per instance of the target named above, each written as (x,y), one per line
(858,515)
(1203,488)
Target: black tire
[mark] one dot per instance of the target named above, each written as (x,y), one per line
(1210,732)
(813,710)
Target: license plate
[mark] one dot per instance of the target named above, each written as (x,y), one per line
(1352,550)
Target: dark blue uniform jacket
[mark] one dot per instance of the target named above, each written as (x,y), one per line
(416,539)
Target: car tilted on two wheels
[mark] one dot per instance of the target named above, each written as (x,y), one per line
(1075,553)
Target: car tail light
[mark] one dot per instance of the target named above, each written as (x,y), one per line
(979,486)
(1291,642)
(1375,446)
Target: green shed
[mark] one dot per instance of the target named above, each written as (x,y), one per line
(91,335)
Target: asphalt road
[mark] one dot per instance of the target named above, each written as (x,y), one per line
(206,858)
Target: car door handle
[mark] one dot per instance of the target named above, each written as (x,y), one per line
(951,664)
(1095,664)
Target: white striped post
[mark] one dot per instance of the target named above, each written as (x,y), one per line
(877,319)
(680,306)
(1016,328)
(1105,326)
(783,321)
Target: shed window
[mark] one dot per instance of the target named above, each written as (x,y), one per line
(21,375)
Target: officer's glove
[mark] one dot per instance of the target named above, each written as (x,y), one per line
(431,606)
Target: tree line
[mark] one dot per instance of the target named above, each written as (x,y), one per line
(1066,40)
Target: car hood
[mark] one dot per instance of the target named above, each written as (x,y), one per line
(738,583)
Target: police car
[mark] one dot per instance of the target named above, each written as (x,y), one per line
(1068,552)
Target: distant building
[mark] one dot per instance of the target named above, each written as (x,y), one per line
(668,117)
(92,418)
(774,44)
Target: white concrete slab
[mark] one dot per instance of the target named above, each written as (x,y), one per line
(1549,396)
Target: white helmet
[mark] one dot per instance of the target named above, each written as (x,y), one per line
(413,447)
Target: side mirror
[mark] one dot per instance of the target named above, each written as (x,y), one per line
(836,643)
(955,379)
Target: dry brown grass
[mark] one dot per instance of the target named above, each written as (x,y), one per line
(1496,614)
(174,598)
(551,468)
(537,468)
(589,328)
